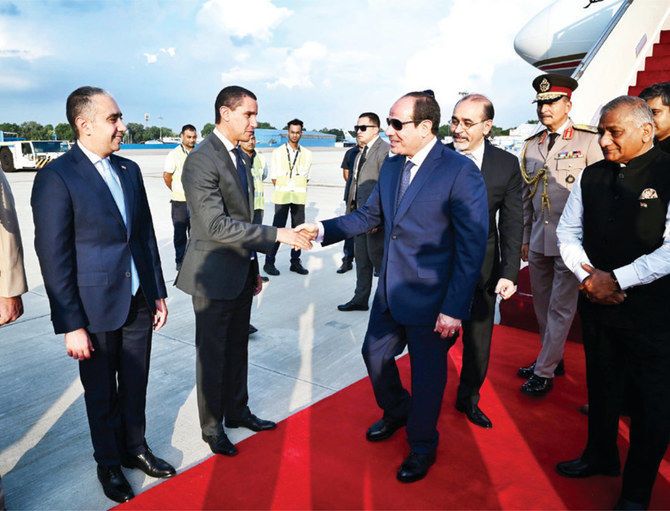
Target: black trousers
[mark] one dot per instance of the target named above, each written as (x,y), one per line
(642,359)
(222,359)
(348,251)
(281,216)
(181,220)
(477,332)
(368,251)
(385,339)
(115,383)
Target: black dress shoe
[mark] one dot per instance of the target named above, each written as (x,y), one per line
(537,386)
(346,266)
(579,468)
(252,422)
(114,483)
(270,269)
(264,278)
(384,428)
(629,505)
(474,415)
(150,465)
(297,267)
(352,306)
(252,329)
(415,467)
(528,371)
(220,444)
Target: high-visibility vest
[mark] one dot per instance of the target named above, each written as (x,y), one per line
(259,171)
(290,175)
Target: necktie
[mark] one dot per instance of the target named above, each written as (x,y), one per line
(361,161)
(114,184)
(552,140)
(404,181)
(242,171)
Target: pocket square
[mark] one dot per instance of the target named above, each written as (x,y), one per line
(648,193)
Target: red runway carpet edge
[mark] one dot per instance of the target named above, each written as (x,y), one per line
(319,457)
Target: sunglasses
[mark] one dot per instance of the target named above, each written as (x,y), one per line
(397,124)
(363,127)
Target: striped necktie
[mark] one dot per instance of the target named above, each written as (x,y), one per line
(404,181)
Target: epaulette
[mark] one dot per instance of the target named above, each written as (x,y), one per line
(586,127)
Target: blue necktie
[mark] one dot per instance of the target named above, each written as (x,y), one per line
(242,171)
(404,181)
(114,184)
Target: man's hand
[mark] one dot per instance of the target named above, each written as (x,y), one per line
(160,316)
(297,239)
(447,326)
(259,285)
(524,252)
(11,309)
(505,288)
(599,287)
(311,230)
(78,344)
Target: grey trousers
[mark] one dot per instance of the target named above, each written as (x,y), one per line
(555,291)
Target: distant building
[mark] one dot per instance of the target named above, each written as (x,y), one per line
(275,138)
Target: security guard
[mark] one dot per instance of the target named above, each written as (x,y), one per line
(291,164)
(550,163)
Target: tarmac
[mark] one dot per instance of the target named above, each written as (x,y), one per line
(304,351)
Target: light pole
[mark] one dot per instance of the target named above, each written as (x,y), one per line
(160,118)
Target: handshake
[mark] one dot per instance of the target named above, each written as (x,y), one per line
(300,238)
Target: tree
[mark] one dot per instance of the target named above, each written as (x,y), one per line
(207,129)
(64,131)
(265,126)
(135,131)
(10,127)
(333,131)
(444,131)
(497,131)
(532,121)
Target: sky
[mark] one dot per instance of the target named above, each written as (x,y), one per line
(321,61)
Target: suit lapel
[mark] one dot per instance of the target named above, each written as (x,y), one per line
(228,166)
(128,190)
(90,175)
(424,173)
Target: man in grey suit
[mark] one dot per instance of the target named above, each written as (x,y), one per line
(220,267)
(369,246)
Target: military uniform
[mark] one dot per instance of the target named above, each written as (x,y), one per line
(549,175)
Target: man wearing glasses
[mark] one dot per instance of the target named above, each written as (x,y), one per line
(471,125)
(551,162)
(369,246)
(432,204)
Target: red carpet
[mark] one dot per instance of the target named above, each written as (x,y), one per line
(319,458)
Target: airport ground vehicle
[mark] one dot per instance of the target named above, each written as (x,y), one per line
(30,154)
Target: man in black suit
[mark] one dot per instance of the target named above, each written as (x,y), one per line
(220,267)
(96,245)
(657,97)
(369,246)
(471,125)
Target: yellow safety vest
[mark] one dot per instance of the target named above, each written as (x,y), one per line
(291,174)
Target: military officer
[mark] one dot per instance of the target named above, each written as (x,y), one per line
(551,161)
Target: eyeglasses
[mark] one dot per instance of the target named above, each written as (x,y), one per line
(397,124)
(363,127)
(466,124)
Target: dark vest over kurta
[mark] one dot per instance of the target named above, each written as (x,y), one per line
(624,218)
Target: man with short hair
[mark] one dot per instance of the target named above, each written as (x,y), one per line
(220,269)
(12,273)
(291,164)
(471,124)
(369,246)
(95,241)
(615,236)
(174,162)
(347,165)
(657,97)
(432,203)
(551,162)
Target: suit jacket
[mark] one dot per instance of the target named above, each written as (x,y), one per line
(434,242)
(366,177)
(225,229)
(84,246)
(12,273)
(566,160)
(501,173)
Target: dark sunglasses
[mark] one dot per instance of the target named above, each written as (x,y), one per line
(397,124)
(363,127)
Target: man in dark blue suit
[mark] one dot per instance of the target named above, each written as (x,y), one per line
(97,249)
(432,203)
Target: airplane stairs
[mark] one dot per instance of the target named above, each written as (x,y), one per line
(656,66)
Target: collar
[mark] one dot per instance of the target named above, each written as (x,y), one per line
(293,151)
(372,142)
(562,129)
(229,145)
(90,154)
(477,154)
(418,158)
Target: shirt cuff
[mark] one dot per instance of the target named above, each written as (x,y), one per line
(626,276)
(321,233)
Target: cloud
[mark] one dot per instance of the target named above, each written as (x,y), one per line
(238,74)
(225,16)
(296,70)
(169,51)
(151,58)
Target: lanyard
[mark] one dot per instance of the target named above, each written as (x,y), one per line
(295,159)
